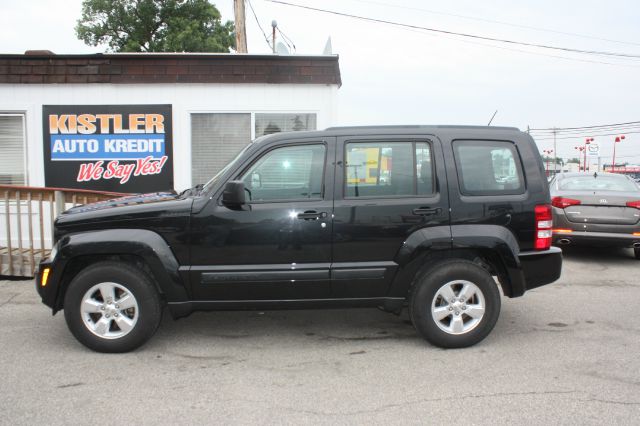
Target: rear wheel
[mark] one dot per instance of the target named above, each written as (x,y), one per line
(455,304)
(112,307)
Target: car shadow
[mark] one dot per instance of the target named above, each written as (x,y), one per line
(332,325)
(598,254)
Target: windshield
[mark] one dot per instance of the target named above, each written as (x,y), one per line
(599,183)
(230,164)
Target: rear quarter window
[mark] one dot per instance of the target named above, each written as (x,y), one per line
(488,167)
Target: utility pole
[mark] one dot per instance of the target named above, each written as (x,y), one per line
(241,30)
(555,153)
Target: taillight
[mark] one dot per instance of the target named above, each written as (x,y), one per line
(561,202)
(634,204)
(544,222)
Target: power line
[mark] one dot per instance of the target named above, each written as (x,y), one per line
(473,18)
(287,40)
(474,36)
(589,132)
(520,50)
(579,137)
(258,22)
(558,129)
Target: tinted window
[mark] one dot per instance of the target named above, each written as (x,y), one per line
(488,168)
(287,173)
(382,169)
(599,183)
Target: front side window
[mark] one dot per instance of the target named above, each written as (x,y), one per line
(287,173)
(387,169)
(488,168)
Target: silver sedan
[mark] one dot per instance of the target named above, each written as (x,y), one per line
(599,209)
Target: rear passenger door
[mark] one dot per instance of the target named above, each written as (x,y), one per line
(488,186)
(387,187)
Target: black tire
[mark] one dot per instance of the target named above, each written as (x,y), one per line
(636,253)
(136,282)
(426,288)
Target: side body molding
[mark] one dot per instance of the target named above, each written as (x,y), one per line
(145,244)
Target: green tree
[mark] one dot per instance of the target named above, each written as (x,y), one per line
(155,26)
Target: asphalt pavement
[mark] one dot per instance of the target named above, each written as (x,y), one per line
(567,353)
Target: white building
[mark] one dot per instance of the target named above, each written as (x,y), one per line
(61,115)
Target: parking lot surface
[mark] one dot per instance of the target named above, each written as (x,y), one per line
(565,353)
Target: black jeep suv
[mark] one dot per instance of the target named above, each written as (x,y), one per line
(433,218)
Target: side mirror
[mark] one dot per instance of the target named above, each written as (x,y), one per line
(233,195)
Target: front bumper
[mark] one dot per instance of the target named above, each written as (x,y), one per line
(540,267)
(600,239)
(49,292)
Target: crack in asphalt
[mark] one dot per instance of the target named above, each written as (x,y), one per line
(608,401)
(417,401)
(14,295)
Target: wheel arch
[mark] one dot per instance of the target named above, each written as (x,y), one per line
(490,246)
(142,248)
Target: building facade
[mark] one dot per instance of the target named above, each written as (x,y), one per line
(150,122)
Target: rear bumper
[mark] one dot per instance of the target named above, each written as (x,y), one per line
(540,267)
(602,239)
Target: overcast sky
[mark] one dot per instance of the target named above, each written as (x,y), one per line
(401,76)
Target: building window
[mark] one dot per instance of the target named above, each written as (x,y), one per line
(215,140)
(276,122)
(12,160)
(488,168)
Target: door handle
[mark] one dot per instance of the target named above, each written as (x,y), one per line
(311,215)
(426,211)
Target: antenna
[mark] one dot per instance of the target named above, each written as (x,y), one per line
(281,49)
(494,114)
(327,47)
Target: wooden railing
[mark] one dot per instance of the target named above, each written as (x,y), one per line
(26,223)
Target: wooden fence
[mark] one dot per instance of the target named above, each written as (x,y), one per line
(26,223)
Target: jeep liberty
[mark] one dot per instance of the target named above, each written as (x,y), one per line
(437,219)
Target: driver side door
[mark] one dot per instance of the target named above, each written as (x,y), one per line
(278,246)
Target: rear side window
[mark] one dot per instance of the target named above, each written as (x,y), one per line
(488,168)
(388,169)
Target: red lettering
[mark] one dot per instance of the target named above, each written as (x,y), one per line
(148,166)
(90,171)
(119,171)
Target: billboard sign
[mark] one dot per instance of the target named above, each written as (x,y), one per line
(120,148)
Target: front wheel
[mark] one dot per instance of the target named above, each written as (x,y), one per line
(636,252)
(112,307)
(455,304)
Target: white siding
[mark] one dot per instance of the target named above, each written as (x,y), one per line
(185,99)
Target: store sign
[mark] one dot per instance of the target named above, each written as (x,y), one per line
(121,148)
(593,150)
